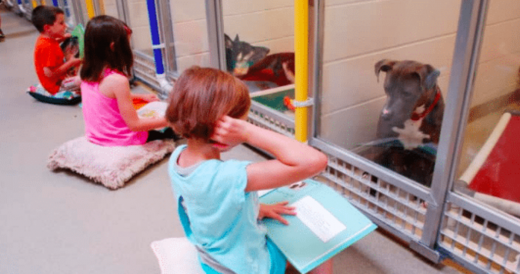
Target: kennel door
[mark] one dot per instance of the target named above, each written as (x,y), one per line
(382,70)
(384,77)
(481,223)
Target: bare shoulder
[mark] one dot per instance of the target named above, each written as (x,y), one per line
(115,79)
(114,85)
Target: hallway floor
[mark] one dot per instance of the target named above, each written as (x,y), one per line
(59,222)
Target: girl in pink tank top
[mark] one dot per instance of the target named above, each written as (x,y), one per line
(110,117)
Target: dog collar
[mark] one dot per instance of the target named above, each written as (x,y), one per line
(417,116)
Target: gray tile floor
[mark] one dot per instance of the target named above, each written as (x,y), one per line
(58,222)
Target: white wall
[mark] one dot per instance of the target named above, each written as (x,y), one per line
(360,33)
(138,21)
(497,72)
(267,23)
(110,8)
(190,33)
(140,24)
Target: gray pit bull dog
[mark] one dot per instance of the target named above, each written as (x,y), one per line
(414,106)
(412,115)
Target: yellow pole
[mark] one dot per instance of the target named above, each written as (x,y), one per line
(90,8)
(301,47)
(34,4)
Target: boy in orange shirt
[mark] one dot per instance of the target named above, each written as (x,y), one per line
(49,59)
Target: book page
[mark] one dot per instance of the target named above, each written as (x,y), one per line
(317,218)
(264,191)
(153,109)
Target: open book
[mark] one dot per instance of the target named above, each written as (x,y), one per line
(153,109)
(325,224)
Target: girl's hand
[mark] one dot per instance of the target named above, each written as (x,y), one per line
(275,211)
(229,132)
(149,97)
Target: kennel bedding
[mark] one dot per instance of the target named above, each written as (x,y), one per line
(494,171)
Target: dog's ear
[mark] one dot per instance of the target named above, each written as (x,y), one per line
(228,42)
(428,76)
(383,65)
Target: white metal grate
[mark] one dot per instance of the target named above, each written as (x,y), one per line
(269,120)
(479,241)
(144,67)
(390,204)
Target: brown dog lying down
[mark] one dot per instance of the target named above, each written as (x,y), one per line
(410,120)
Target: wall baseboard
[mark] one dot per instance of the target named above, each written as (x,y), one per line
(494,105)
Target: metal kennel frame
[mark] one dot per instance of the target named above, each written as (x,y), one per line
(436,222)
(268,118)
(155,69)
(74,12)
(24,8)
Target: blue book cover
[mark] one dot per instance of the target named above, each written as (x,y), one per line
(324,225)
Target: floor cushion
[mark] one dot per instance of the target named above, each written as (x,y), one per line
(176,256)
(60,98)
(110,166)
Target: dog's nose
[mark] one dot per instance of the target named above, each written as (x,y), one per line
(385,114)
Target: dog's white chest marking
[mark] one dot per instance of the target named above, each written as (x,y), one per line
(410,136)
(420,109)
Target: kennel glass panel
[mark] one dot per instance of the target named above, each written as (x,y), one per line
(384,76)
(112,8)
(259,45)
(190,35)
(480,225)
(489,161)
(73,12)
(136,16)
(25,8)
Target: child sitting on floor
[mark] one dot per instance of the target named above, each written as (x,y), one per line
(49,59)
(217,200)
(110,117)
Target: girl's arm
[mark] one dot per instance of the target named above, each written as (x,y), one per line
(117,86)
(294,161)
(145,97)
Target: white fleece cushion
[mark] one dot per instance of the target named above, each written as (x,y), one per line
(109,166)
(177,256)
